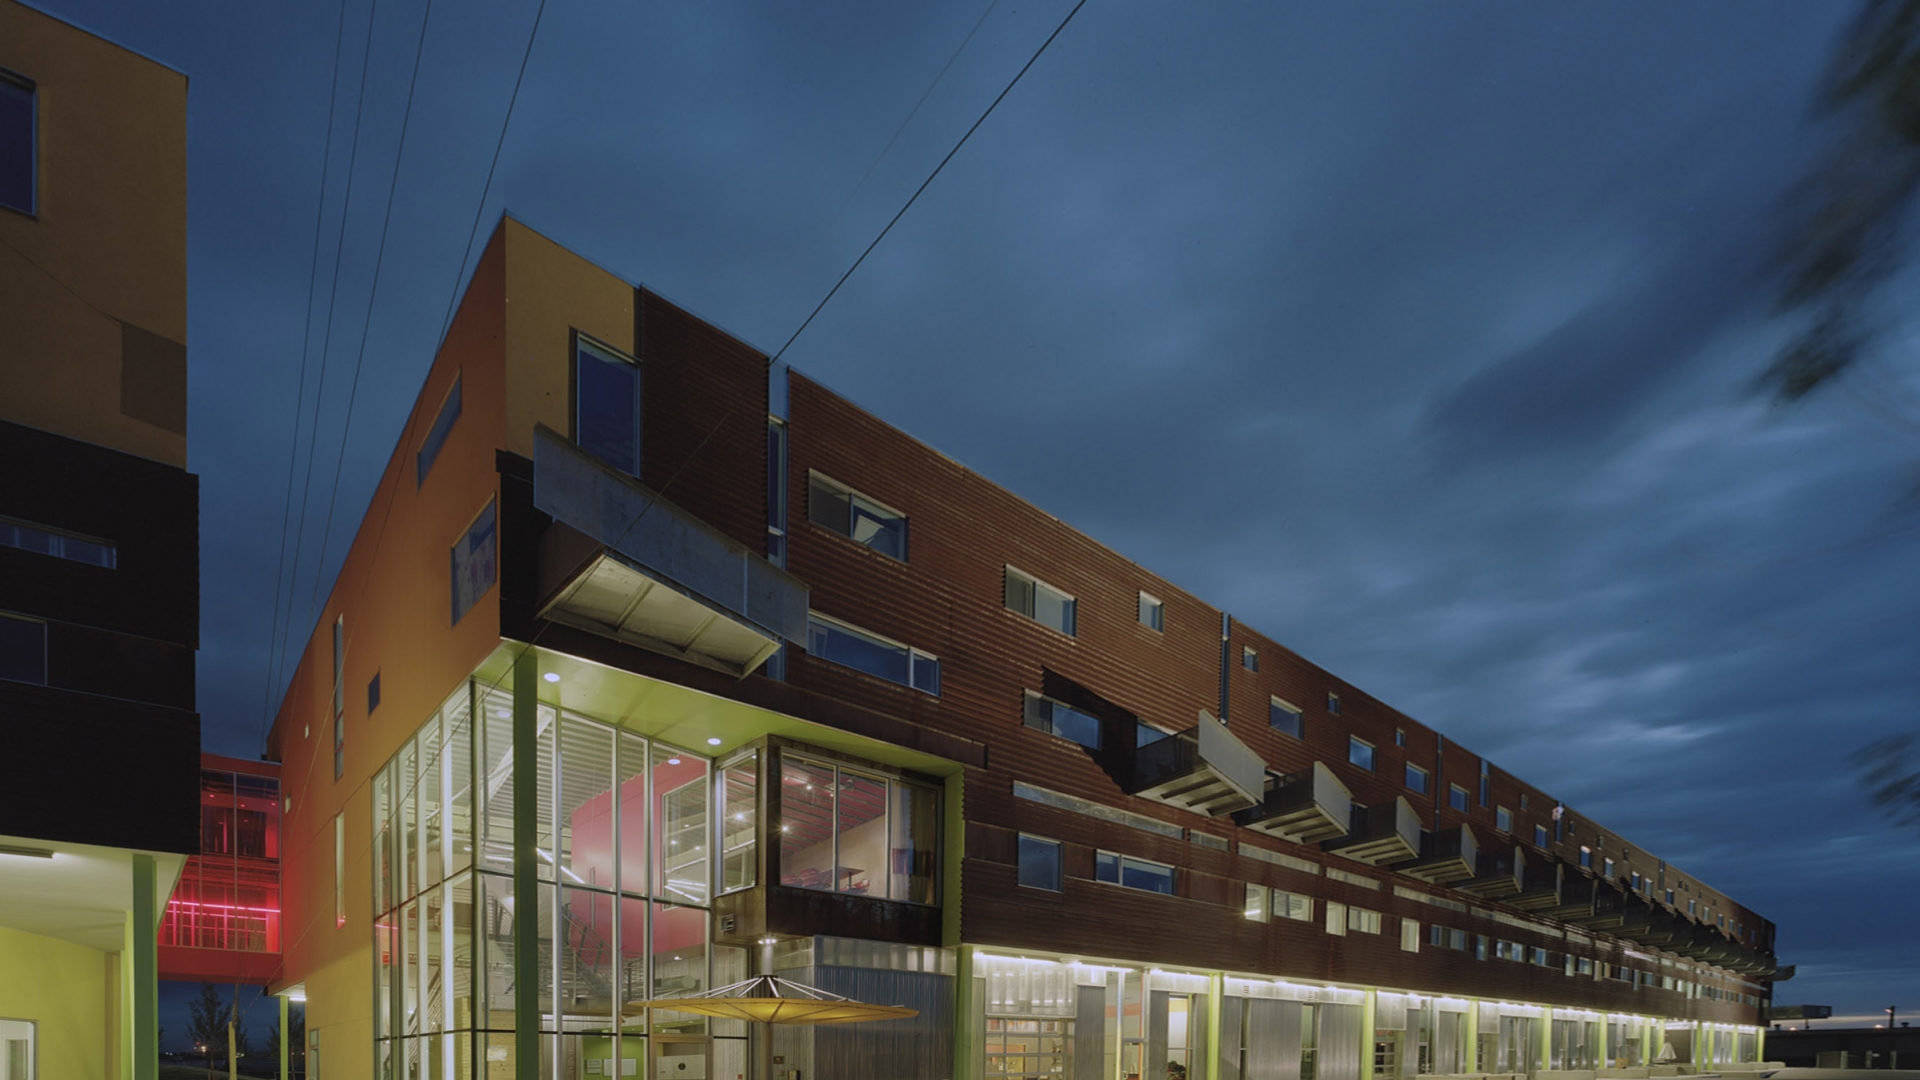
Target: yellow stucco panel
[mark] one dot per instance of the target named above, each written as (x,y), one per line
(62,988)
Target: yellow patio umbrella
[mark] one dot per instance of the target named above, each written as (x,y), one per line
(768,999)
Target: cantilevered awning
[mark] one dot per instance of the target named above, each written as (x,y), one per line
(1446,856)
(1305,807)
(638,568)
(1500,874)
(1204,769)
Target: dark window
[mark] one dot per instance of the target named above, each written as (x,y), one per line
(1333,704)
(474,564)
(1284,718)
(1360,752)
(606,418)
(1486,783)
(1417,779)
(1039,863)
(17,138)
(1039,601)
(1399,736)
(857,649)
(1249,659)
(373,692)
(1152,613)
(1539,836)
(339,696)
(437,435)
(42,540)
(835,506)
(1456,796)
(1045,714)
(1132,873)
(23,650)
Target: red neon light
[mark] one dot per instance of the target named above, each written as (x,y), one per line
(224,907)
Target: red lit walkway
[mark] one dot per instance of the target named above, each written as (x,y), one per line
(223,923)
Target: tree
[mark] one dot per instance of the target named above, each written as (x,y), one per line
(1847,237)
(296,1040)
(207,1023)
(1888,769)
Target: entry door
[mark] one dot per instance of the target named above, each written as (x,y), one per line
(681,1058)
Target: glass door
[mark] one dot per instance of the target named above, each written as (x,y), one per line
(680,1058)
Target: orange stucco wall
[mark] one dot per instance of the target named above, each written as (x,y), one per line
(105,249)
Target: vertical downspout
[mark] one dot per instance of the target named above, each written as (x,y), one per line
(526,867)
(1226,634)
(1439,779)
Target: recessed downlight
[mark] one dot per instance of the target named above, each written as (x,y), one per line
(551,676)
(714,741)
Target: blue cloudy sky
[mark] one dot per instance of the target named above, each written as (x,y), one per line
(1418,336)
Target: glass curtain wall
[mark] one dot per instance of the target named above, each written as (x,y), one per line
(625,876)
(847,831)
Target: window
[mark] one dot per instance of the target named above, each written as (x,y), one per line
(1293,906)
(857,833)
(437,435)
(1039,863)
(1336,918)
(1039,601)
(23,650)
(339,871)
(606,405)
(1479,946)
(739,813)
(339,696)
(17,1039)
(1503,819)
(1333,704)
(1249,659)
(373,693)
(1486,782)
(1152,612)
(1417,779)
(1608,864)
(1054,718)
(1445,938)
(833,505)
(1539,836)
(776,491)
(1510,950)
(835,641)
(1409,936)
(1132,873)
(1363,920)
(1360,752)
(1523,800)
(1639,883)
(1145,733)
(1456,797)
(1258,897)
(1693,908)
(1284,718)
(1541,957)
(474,563)
(1399,736)
(1586,857)
(17,138)
(42,540)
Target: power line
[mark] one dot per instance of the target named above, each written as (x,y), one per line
(299,401)
(373,291)
(326,340)
(923,184)
(911,113)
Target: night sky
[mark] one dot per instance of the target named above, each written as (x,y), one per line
(1418,337)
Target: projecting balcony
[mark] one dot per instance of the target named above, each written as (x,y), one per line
(1576,897)
(637,568)
(1446,856)
(1204,769)
(1609,909)
(1388,833)
(1540,888)
(1304,807)
(1661,927)
(1499,875)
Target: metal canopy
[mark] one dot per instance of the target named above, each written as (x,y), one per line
(768,999)
(1305,807)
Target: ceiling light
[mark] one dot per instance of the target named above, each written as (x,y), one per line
(714,741)
(673,761)
(551,676)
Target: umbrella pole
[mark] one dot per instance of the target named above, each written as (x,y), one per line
(763,1053)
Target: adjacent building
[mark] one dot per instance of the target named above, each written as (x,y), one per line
(99,545)
(650,667)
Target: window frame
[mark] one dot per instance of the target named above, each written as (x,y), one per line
(1103,858)
(889,782)
(584,342)
(1458,797)
(436,437)
(1151,605)
(857,501)
(1425,786)
(1355,746)
(28,88)
(1069,603)
(492,510)
(1028,717)
(45,647)
(1277,704)
(914,655)
(1058,862)
(1333,703)
(1249,659)
(1540,837)
(53,533)
(1503,819)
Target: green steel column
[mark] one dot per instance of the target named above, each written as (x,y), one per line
(1216,992)
(144,973)
(1472,1054)
(953,827)
(966,1025)
(1366,1036)
(1546,1037)
(286,1071)
(526,867)
(1760,1043)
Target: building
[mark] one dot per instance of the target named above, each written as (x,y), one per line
(222,923)
(99,544)
(644,659)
